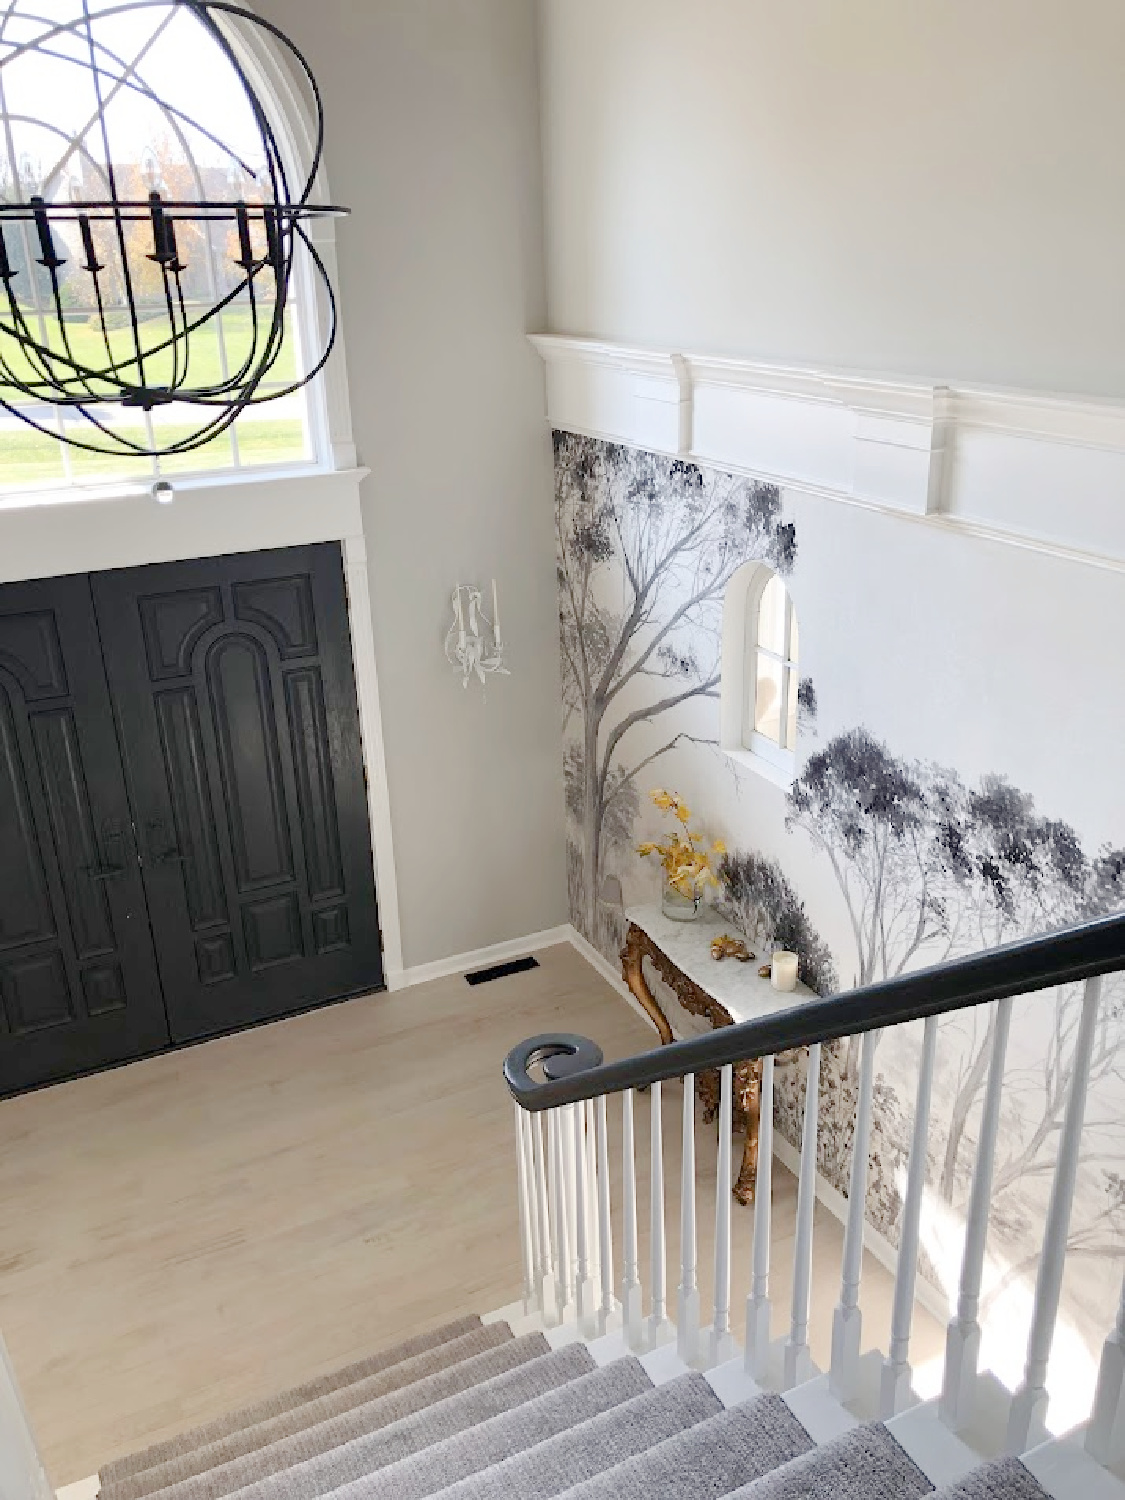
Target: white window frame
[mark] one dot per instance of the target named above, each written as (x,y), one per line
(738,691)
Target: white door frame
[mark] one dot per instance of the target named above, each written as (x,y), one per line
(209,519)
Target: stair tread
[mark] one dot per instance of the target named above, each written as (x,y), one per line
(1000,1479)
(714,1457)
(863,1464)
(276,1457)
(466,1432)
(592,1446)
(272,1406)
(352,1397)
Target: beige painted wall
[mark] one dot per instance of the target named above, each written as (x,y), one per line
(931,189)
(433,140)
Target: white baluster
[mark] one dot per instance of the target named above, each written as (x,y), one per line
(526,1232)
(592,1197)
(758,1302)
(1029,1404)
(586,1288)
(797,1360)
(564,1285)
(894,1383)
(687,1314)
(847,1322)
(566,1138)
(548,1302)
(658,1329)
(721,1345)
(631,1315)
(532,1203)
(605,1221)
(962,1341)
(1105,1436)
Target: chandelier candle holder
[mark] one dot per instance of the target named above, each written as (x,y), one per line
(121,270)
(473,644)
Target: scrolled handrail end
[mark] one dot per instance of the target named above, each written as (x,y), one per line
(559,1054)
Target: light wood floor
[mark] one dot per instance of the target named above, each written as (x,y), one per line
(188,1234)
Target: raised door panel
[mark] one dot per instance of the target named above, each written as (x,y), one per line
(232,680)
(78,981)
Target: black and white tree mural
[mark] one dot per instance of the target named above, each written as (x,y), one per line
(926,865)
(647,546)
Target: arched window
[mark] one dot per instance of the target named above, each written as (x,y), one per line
(158,53)
(771,681)
(760,673)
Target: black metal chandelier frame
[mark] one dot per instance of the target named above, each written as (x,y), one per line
(55,374)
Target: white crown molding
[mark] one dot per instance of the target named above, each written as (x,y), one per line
(1040,471)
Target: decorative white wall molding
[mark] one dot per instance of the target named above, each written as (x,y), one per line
(638,397)
(1034,469)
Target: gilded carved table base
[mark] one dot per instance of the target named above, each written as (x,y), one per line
(747,1076)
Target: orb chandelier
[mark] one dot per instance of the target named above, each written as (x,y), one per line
(152,223)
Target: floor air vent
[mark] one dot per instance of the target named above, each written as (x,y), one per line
(501,971)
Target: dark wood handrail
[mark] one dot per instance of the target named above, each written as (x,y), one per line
(1038,963)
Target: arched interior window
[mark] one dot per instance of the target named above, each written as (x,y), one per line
(203,145)
(772,659)
(759,690)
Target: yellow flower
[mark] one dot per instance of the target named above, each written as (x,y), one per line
(718,847)
(664,800)
(644,849)
(683,812)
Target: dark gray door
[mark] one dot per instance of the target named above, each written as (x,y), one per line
(78,981)
(233,687)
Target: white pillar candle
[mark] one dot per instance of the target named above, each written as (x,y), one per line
(495,616)
(783,970)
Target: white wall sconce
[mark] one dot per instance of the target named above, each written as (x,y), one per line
(472,644)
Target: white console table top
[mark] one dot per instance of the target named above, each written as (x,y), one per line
(736,986)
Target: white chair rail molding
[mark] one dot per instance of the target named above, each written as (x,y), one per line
(1035,470)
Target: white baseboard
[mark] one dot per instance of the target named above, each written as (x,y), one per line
(480,958)
(611,975)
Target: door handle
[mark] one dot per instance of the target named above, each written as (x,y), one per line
(165,851)
(113,862)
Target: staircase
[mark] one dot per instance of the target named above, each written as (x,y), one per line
(478,1410)
(578,1391)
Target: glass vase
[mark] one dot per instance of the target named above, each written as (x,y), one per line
(675,905)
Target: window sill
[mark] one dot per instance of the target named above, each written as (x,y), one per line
(229,480)
(781,773)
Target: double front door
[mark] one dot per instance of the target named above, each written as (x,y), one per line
(184,841)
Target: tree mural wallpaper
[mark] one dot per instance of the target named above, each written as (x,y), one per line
(925,864)
(646,548)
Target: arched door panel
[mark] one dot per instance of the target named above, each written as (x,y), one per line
(233,687)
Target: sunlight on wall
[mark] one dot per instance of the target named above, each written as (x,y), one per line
(1006,1304)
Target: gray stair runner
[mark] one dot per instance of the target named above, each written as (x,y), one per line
(348,1398)
(591,1447)
(228,1477)
(1003,1479)
(470,1412)
(443,1443)
(273,1406)
(713,1458)
(863,1464)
